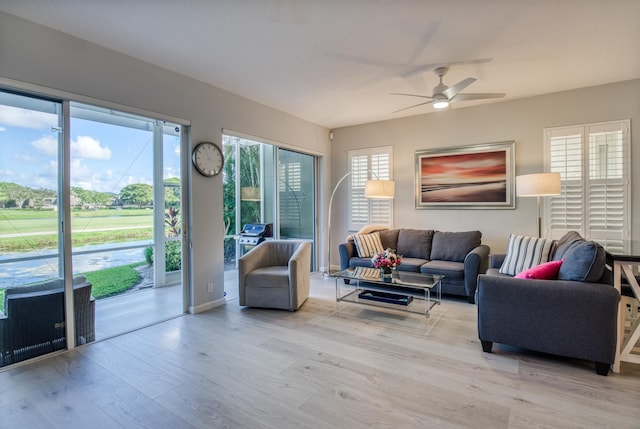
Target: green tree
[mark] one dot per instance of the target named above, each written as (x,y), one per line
(172,192)
(14,195)
(94,198)
(139,194)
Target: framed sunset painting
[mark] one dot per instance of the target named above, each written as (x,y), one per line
(472,177)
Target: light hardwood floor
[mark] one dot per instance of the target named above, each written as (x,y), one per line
(315,368)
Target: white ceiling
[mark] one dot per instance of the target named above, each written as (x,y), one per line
(335,62)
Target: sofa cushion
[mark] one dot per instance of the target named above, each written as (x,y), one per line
(368,244)
(584,262)
(526,252)
(389,239)
(454,246)
(415,243)
(567,241)
(547,271)
(411,264)
(450,269)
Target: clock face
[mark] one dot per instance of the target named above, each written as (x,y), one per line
(208,159)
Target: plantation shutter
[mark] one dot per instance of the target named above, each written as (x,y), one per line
(593,162)
(374,163)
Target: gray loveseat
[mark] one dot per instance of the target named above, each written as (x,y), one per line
(33,320)
(572,316)
(459,256)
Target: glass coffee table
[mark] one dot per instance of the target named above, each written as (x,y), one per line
(400,292)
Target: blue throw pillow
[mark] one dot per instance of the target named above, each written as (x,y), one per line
(566,242)
(583,262)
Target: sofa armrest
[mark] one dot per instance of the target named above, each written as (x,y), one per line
(257,257)
(347,251)
(476,262)
(496,260)
(566,318)
(299,277)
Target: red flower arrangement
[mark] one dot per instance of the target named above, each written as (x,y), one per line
(386,259)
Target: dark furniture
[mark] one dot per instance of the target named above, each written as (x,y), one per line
(570,318)
(458,256)
(33,322)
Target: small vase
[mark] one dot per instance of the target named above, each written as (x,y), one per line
(385,274)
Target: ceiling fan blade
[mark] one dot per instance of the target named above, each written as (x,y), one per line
(411,107)
(478,96)
(412,95)
(425,67)
(455,89)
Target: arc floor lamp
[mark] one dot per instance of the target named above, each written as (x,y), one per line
(538,185)
(374,189)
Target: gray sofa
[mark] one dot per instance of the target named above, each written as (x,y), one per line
(573,316)
(33,320)
(459,256)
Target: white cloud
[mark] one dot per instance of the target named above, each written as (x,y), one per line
(50,169)
(2,129)
(88,147)
(176,150)
(16,117)
(47,145)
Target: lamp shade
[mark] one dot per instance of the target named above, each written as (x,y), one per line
(538,185)
(250,193)
(380,189)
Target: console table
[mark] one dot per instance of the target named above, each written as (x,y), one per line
(623,267)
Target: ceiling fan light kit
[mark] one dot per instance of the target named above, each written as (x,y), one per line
(440,103)
(443,95)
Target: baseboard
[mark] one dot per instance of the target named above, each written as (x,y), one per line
(207,306)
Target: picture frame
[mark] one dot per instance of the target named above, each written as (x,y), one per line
(478,176)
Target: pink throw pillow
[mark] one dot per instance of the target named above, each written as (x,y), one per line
(546,271)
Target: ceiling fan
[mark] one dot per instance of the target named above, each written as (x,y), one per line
(443,95)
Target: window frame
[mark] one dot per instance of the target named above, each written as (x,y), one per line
(582,193)
(373,167)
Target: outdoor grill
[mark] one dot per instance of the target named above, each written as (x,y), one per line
(253,234)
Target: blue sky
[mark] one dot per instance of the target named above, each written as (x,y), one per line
(103,157)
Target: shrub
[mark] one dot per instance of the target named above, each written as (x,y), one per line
(173,256)
(148,255)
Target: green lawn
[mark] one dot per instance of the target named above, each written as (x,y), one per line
(27,221)
(36,229)
(113,281)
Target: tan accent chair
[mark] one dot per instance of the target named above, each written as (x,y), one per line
(275,274)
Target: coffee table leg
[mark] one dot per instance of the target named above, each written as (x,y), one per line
(427,291)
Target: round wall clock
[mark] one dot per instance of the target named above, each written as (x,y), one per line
(208,159)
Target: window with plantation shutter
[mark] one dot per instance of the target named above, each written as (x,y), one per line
(593,162)
(365,164)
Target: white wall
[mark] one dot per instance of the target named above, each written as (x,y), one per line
(34,54)
(520,120)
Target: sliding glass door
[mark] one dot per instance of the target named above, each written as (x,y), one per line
(296,196)
(126,217)
(266,184)
(32,318)
(91,197)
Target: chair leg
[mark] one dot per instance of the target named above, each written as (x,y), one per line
(602,368)
(486,346)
